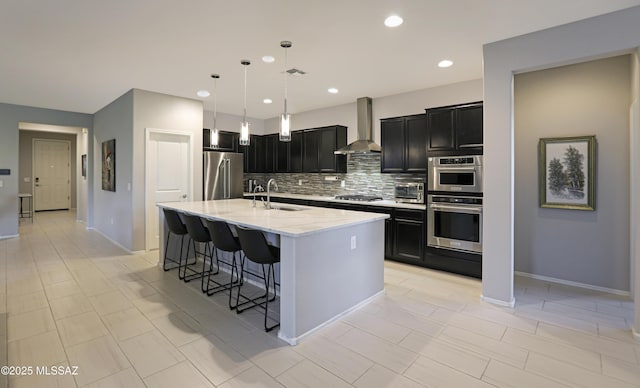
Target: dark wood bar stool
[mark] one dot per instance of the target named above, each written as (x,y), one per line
(257,250)
(199,234)
(223,240)
(177,228)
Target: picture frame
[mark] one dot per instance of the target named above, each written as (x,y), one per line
(84,165)
(109,165)
(567,172)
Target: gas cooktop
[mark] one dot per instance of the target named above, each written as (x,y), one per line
(359,197)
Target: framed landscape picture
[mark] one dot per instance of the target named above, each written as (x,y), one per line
(109,165)
(567,172)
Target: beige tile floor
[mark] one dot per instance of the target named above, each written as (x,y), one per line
(71,298)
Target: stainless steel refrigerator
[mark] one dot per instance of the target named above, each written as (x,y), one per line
(222,175)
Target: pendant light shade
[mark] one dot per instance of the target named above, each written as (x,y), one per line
(213,141)
(244,128)
(285,118)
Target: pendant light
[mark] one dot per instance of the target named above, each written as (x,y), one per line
(244,128)
(285,118)
(214,131)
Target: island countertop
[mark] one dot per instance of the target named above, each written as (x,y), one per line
(307,220)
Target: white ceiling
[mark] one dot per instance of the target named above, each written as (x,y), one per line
(79,55)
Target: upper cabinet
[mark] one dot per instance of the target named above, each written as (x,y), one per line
(254,154)
(310,150)
(318,148)
(455,129)
(296,151)
(404,144)
(227,141)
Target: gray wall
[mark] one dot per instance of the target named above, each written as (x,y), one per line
(10,116)
(26,160)
(590,98)
(113,212)
(598,37)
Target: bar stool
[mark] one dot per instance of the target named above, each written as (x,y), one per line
(257,250)
(223,240)
(199,234)
(176,227)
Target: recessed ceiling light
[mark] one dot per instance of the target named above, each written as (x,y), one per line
(332,90)
(445,63)
(267,101)
(268,59)
(203,93)
(393,21)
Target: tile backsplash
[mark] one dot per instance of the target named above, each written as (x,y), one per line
(363,177)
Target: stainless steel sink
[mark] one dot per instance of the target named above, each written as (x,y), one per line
(288,208)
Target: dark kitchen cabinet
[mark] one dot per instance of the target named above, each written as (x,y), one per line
(409,235)
(254,154)
(455,129)
(270,153)
(393,145)
(296,152)
(319,146)
(404,144)
(227,141)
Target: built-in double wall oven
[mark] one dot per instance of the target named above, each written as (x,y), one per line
(454,203)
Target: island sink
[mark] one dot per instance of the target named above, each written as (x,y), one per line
(288,208)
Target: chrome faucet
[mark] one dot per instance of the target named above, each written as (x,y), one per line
(275,187)
(256,188)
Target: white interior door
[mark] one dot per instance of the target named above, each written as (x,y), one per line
(52,174)
(168,176)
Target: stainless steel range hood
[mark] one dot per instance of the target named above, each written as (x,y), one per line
(364,144)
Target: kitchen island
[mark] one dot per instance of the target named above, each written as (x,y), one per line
(331,261)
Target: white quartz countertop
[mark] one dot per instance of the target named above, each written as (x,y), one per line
(289,223)
(383,203)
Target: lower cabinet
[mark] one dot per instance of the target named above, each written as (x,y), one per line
(405,237)
(409,235)
(404,230)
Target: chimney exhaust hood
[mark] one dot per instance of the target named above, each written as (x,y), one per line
(364,144)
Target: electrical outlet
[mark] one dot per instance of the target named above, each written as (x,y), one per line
(111,220)
(342,184)
(353,242)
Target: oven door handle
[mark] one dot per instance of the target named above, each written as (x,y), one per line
(458,209)
(452,168)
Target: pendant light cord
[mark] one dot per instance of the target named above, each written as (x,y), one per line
(244,117)
(215,102)
(285,81)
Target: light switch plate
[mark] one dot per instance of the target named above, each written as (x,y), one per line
(1,183)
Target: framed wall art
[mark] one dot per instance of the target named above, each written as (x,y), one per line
(109,165)
(567,172)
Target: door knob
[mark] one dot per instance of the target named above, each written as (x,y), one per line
(184,195)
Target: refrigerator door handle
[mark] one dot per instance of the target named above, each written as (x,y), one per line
(227,178)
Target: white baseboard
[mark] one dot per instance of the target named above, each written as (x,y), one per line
(499,302)
(9,236)
(294,341)
(572,283)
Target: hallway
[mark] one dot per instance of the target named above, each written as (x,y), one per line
(69,297)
